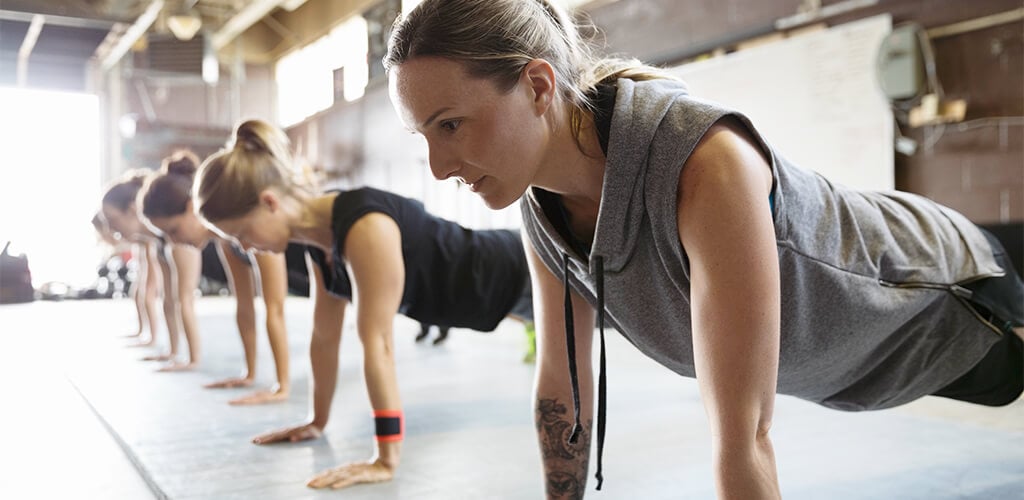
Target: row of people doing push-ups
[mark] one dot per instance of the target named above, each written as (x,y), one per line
(667,215)
(404,259)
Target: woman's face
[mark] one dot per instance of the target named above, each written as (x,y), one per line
(126,222)
(490,140)
(183,228)
(262,229)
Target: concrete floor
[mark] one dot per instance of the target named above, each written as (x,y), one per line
(469,425)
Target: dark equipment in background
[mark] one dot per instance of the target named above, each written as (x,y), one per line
(15,278)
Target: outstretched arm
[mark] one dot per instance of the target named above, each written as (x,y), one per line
(272,273)
(565,464)
(153,280)
(188,266)
(138,290)
(172,311)
(328,318)
(273,279)
(373,249)
(145,291)
(239,275)
(725,225)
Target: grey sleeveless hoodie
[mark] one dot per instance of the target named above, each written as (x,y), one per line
(872,312)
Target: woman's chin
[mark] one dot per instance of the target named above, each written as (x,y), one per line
(497,201)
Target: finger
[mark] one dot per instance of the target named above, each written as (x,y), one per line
(348,481)
(254,399)
(270,437)
(251,399)
(355,474)
(328,477)
(363,473)
(320,480)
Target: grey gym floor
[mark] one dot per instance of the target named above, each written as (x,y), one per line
(84,418)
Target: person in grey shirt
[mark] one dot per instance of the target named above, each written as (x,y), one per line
(721,260)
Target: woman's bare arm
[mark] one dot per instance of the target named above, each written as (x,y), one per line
(726,228)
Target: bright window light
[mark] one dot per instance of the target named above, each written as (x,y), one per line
(50,182)
(408,5)
(305,78)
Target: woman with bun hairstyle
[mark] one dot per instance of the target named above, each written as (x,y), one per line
(145,288)
(167,204)
(671,217)
(180,267)
(399,257)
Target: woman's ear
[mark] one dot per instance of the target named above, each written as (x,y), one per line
(270,200)
(539,77)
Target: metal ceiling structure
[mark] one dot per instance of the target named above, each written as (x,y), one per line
(55,43)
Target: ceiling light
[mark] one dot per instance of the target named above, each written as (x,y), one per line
(184,24)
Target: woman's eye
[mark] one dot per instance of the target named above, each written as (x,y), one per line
(450,125)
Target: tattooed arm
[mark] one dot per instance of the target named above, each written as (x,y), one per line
(565,464)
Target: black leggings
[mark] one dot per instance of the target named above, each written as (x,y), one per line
(998,379)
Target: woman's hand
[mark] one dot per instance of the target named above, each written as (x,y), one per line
(291,434)
(351,474)
(261,397)
(230,383)
(176,366)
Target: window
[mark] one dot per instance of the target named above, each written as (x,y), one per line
(305,78)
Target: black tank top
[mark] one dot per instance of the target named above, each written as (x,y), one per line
(454,276)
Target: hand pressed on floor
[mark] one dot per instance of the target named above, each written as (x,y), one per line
(176,366)
(290,434)
(352,474)
(229,383)
(261,397)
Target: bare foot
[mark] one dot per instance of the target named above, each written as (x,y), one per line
(260,398)
(229,383)
(142,343)
(158,357)
(132,335)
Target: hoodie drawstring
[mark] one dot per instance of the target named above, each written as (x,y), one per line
(570,345)
(602,383)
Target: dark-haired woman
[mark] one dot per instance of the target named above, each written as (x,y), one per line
(167,204)
(180,267)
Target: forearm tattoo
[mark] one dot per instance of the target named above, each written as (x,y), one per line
(565,465)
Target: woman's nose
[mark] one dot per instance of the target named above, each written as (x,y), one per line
(441,165)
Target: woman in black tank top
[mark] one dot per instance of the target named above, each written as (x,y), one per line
(167,205)
(401,259)
(179,265)
(144,290)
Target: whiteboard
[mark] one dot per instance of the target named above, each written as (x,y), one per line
(814,97)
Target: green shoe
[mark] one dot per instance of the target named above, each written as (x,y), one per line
(531,344)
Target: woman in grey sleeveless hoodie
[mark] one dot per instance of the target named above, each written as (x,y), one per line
(722,260)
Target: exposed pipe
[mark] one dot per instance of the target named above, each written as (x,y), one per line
(29,43)
(815,15)
(780,24)
(134,32)
(237,25)
(1007,17)
(71,22)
